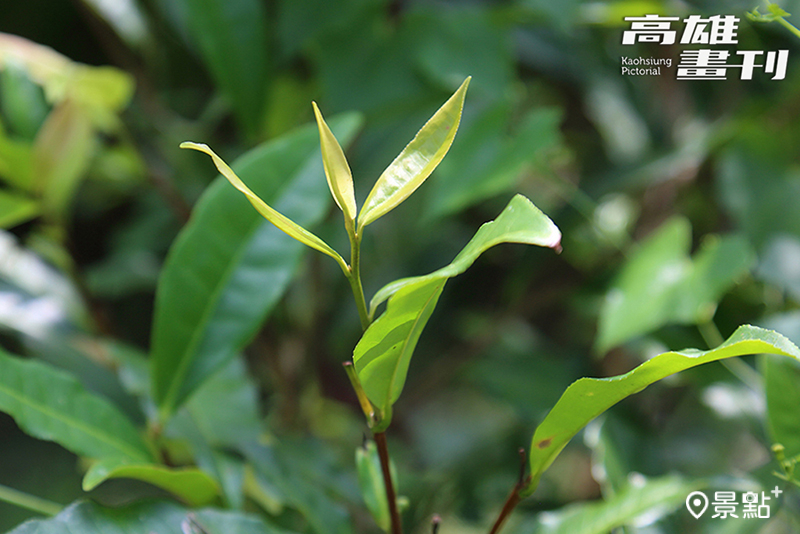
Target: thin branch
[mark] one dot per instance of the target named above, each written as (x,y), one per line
(514,497)
(383,453)
(29,502)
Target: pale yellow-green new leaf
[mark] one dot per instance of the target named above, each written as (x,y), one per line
(337,171)
(417,160)
(282,222)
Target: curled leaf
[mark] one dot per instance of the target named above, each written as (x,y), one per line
(337,171)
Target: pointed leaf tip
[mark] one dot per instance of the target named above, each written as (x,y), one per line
(278,219)
(417,160)
(337,170)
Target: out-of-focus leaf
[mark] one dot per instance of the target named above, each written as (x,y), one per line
(660,284)
(22,101)
(654,497)
(229,265)
(16,163)
(299,476)
(589,397)
(417,160)
(384,352)
(16,209)
(782,389)
(337,170)
(145,517)
(51,405)
(125,17)
(232,38)
(191,485)
(370,481)
(61,155)
(779,261)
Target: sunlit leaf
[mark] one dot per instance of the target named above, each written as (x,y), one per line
(229,265)
(589,397)
(50,404)
(276,218)
(337,171)
(384,352)
(417,160)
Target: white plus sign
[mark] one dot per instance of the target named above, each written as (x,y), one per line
(777,491)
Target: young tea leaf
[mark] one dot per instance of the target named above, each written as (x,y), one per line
(383,354)
(589,397)
(337,171)
(416,162)
(290,227)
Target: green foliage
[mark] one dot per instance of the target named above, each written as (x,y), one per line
(164,339)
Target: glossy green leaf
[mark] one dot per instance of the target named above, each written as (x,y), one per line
(281,221)
(337,171)
(660,284)
(520,222)
(229,265)
(589,397)
(52,405)
(16,209)
(384,352)
(417,160)
(642,496)
(144,518)
(191,485)
(233,41)
(370,481)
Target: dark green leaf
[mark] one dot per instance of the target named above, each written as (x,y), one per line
(51,405)
(229,265)
(232,38)
(144,518)
(589,397)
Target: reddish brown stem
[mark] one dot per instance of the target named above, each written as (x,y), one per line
(513,498)
(383,454)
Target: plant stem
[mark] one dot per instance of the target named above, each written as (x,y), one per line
(514,496)
(29,502)
(355,278)
(383,454)
(789,26)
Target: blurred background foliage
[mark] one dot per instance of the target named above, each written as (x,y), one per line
(677,201)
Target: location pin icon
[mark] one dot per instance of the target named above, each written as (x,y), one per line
(696,503)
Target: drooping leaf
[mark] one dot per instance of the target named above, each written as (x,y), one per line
(145,517)
(191,485)
(278,219)
(384,352)
(417,160)
(229,265)
(337,171)
(661,284)
(652,496)
(589,397)
(50,404)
